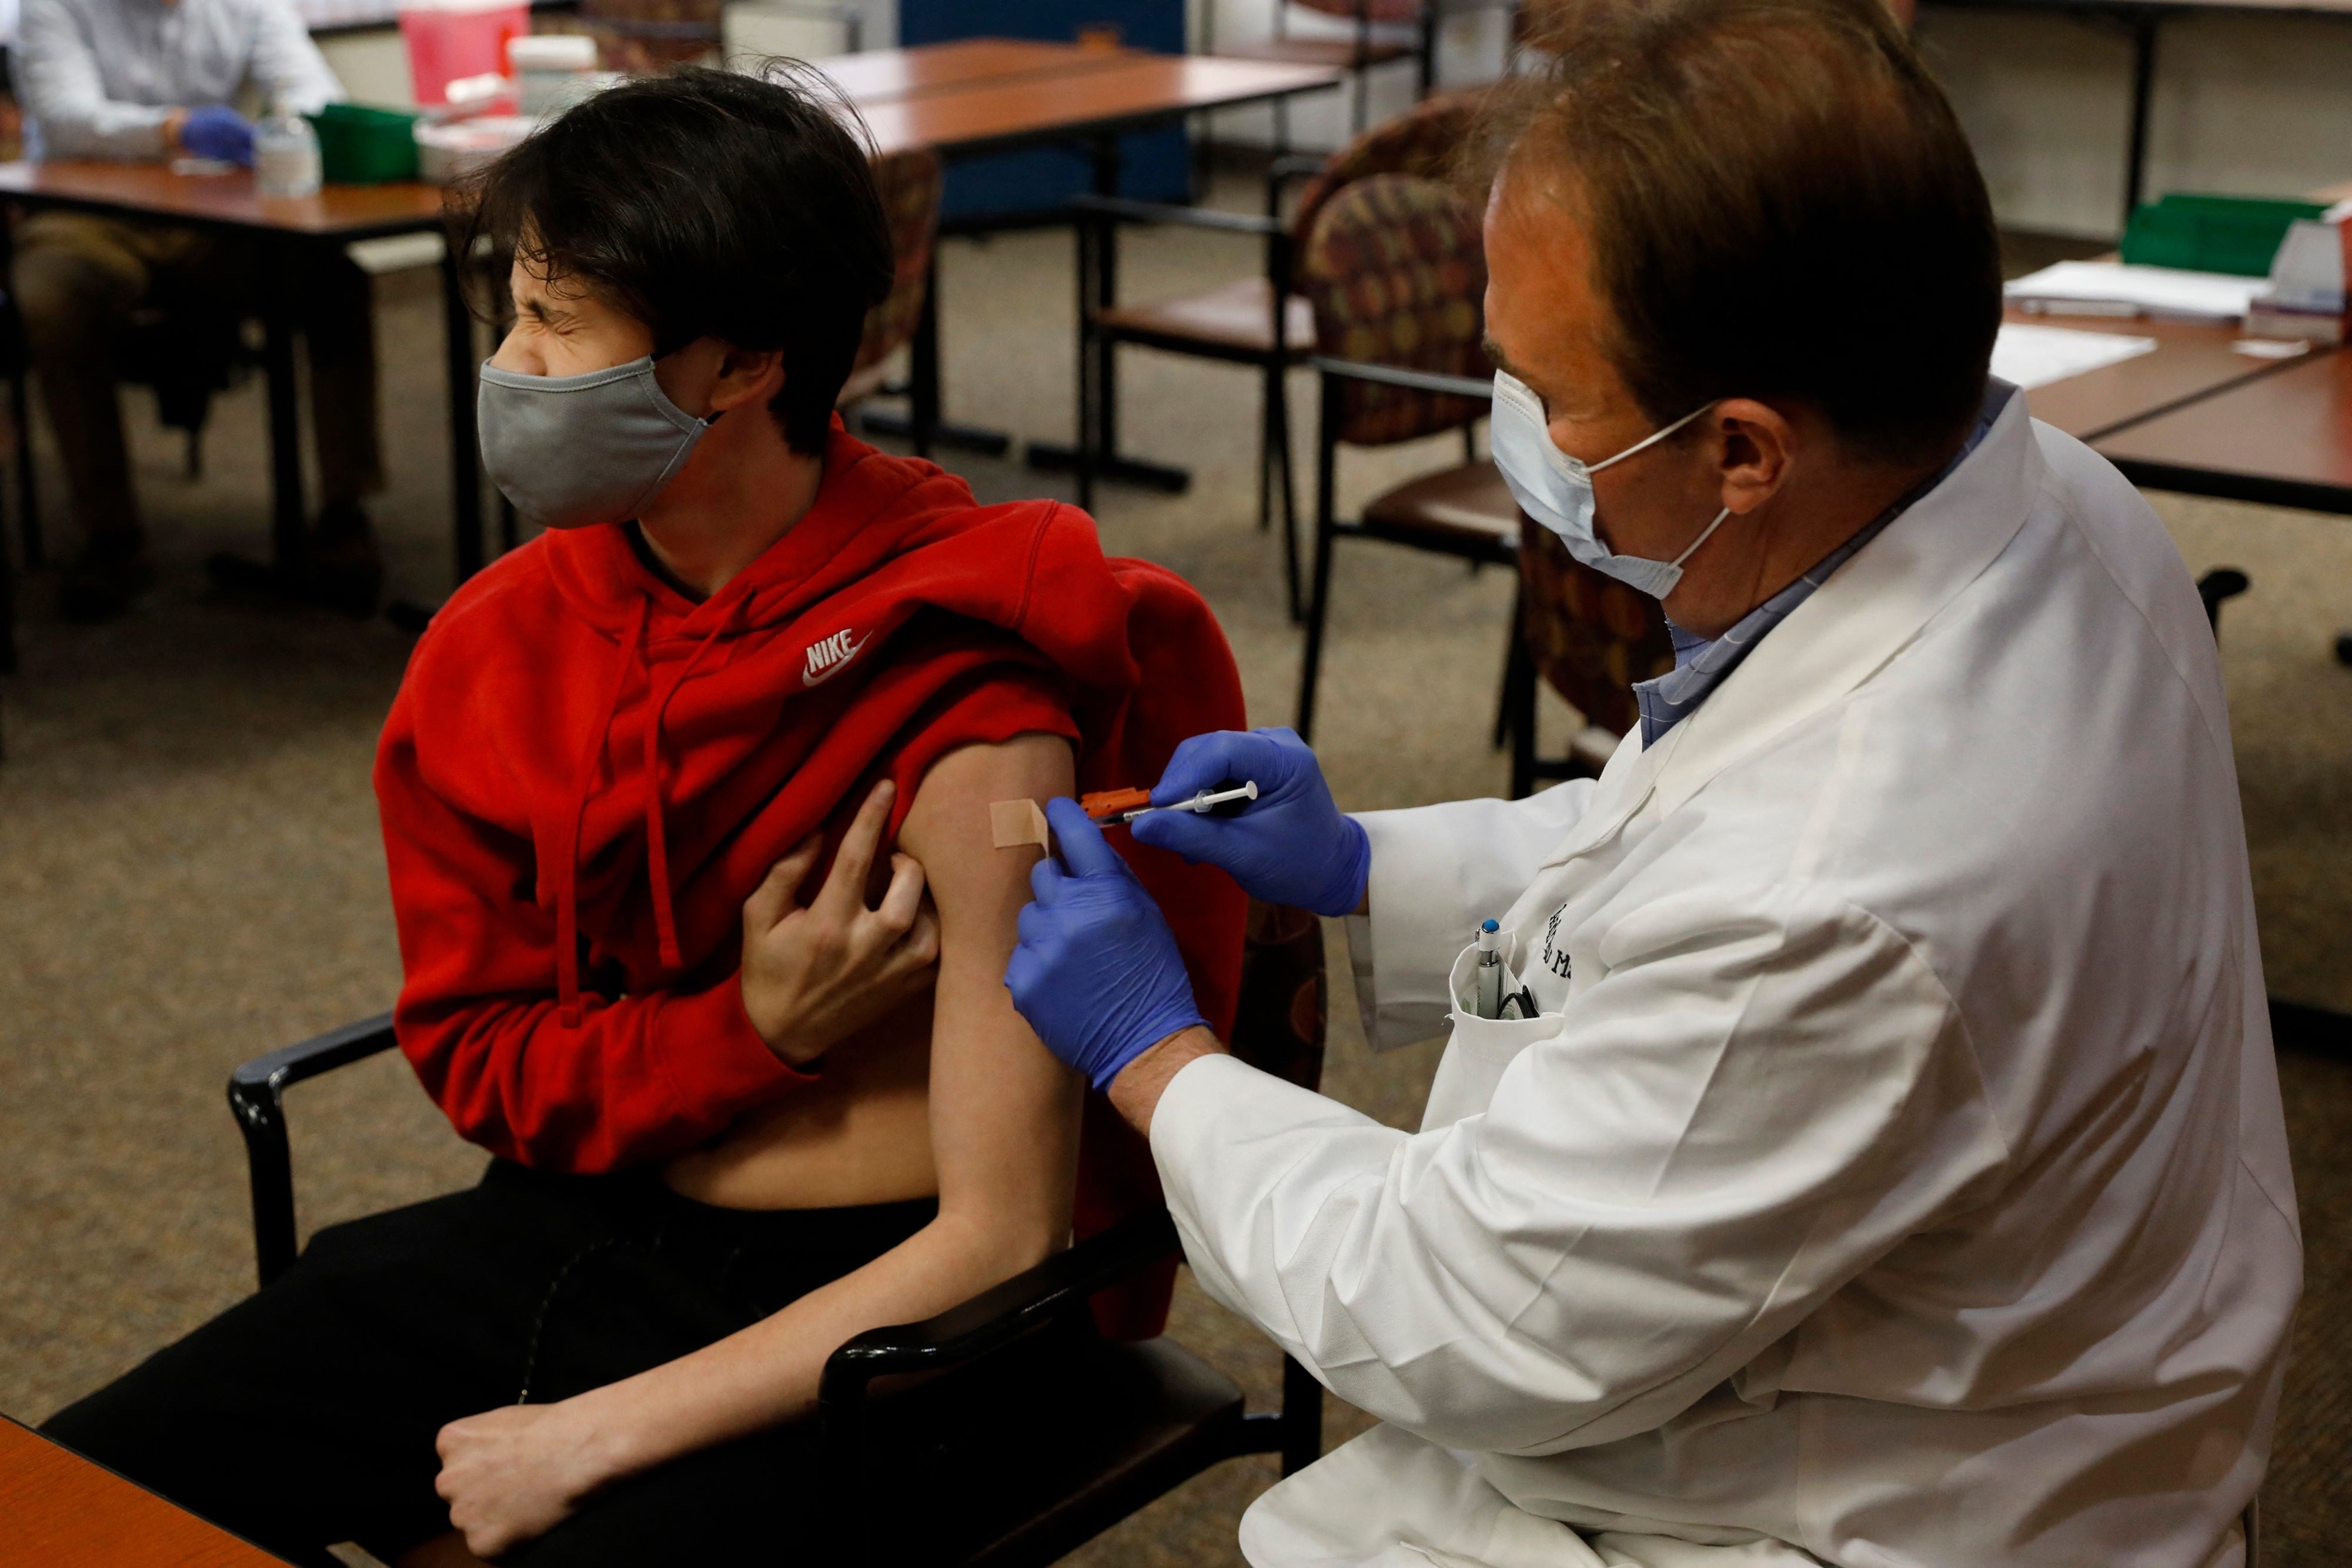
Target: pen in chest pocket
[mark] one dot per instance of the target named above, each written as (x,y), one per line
(1495,992)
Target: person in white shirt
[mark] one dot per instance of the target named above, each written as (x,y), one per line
(1875,1155)
(156,80)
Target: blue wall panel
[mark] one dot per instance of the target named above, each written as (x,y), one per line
(1155,165)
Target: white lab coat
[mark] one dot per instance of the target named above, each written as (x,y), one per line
(1895,1174)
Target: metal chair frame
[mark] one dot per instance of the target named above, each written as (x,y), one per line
(1097,221)
(1423,55)
(1330,528)
(990,1323)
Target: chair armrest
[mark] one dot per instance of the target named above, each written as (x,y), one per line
(1294,166)
(1286,172)
(321,1053)
(1398,376)
(999,1315)
(1123,210)
(994,1319)
(257,1098)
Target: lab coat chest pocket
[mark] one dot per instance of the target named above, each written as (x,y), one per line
(1477,1052)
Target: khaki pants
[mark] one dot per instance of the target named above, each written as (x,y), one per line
(78,277)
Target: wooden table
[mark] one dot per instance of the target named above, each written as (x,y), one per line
(964,99)
(2282,440)
(980,96)
(286,232)
(59,1510)
(2191,361)
(879,76)
(1091,95)
(2281,435)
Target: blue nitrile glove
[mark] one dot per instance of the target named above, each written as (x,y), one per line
(1096,974)
(1290,845)
(216,131)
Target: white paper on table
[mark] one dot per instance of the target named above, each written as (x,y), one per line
(2036,355)
(2142,290)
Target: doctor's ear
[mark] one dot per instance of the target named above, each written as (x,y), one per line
(1757,447)
(747,376)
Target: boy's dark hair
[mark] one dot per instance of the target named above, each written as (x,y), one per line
(1780,202)
(707,203)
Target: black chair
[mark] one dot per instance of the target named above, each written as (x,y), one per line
(2216,588)
(186,350)
(1260,321)
(1025,1433)
(1590,638)
(1396,276)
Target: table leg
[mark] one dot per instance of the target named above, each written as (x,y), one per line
(923,364)
(2143,25)
(465,440)
(1102,440)
(1105,162)
(285,505)
(921,423)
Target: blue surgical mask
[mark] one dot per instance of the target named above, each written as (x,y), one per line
(573,450)
(1556,489)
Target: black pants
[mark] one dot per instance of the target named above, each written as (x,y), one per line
(305,1415)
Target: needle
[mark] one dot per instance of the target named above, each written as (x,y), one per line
(1202,801)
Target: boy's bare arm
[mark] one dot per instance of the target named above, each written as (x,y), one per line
(1004,1120)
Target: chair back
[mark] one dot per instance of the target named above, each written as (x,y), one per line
(1285,995)
(1396,273)
(1389,11)
(1422,142)
(646,37)
(1589,635)
(908,182)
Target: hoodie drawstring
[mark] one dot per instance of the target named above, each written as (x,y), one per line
(656,836)
(567,844)
(567,847)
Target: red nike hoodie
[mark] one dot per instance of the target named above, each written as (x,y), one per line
(585,773)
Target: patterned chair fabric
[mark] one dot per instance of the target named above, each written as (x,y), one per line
(908,182)
(643,38)
(1589,635)
(1422,142)
(1397,276)
(1285,1000)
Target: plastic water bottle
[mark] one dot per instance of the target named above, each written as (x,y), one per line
(285,155)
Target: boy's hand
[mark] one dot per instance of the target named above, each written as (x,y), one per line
(813,977)
(511,1475)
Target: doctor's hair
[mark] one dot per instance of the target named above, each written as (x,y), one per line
(1779,203)
(706,203)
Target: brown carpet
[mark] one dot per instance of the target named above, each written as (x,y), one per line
(189,871)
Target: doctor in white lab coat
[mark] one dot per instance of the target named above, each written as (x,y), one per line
(1891,1172)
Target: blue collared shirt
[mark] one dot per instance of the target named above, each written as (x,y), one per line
(1701,663)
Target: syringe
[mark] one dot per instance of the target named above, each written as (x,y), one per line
(1126,805)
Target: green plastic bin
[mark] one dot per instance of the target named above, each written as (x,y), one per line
(2236,235)
(363,146)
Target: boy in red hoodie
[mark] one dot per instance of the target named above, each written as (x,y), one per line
(618,756)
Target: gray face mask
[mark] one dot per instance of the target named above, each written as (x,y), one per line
(569,450)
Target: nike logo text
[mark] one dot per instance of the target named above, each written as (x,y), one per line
(829,656)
